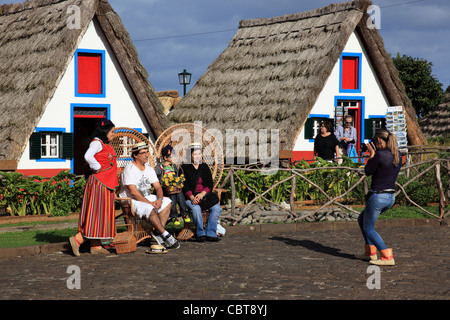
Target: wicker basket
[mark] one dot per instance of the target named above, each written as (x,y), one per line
(174,190)
(125,242)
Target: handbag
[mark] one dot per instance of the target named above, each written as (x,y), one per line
(209,200)
(351,152)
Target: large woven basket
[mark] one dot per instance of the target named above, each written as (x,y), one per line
(125,242)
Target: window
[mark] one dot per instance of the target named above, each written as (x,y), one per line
(312,125)
(372,124)
(50,144)
(89,73)
(348,104)
(350,72)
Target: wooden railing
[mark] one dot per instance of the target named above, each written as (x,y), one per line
(413,171)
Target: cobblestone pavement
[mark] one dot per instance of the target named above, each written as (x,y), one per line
(300,265)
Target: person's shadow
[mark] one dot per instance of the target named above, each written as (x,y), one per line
(314,246)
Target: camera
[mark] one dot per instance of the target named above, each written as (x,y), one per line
(363,147)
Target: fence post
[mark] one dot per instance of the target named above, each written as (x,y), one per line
(291,198)
(448,174)
(233,192)
(408,162)
(365,186)
(437,170)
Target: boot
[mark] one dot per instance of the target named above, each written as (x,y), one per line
(369,254)
(99,250)
(387,259)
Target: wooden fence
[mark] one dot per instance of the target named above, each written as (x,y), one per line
(411,170)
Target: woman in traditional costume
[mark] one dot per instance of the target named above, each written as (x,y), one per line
(97,217)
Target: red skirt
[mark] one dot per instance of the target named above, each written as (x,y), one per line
(97,217)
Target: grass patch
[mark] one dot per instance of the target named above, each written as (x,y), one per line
(35,237)
(34,223)
(405,212)
(409,213)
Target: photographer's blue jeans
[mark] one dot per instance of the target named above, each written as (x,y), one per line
(375,205)
(211,226)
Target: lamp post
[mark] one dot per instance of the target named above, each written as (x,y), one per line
(185,79)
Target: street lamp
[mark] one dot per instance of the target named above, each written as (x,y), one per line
(185,79)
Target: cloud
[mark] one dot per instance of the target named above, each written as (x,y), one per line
(418,28)
(205,28)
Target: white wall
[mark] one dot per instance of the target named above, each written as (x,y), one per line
(125,111)
(375,100)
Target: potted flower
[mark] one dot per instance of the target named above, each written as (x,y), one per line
(173,184)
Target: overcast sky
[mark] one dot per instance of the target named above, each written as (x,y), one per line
(172,35)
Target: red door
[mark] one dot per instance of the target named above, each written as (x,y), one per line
(354,109)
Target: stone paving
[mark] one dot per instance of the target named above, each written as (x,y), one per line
(271,265)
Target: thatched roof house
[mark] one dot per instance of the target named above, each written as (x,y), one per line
(276,72)
(437,123)
(38,42)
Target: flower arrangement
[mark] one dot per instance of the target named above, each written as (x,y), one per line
(172,183)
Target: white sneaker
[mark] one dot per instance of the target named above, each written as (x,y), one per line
(158,238)
(171,242)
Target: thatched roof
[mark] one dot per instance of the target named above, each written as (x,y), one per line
(36,47)
(274,69)
(169,99)
(437,123)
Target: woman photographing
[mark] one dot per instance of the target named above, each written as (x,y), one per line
(383,165)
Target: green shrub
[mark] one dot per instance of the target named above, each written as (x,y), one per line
(424,189)
(333,181)
(33,195)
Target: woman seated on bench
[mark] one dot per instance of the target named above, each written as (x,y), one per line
(198,191)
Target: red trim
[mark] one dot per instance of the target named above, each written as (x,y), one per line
(88,116)
(46,173)
(356,121)
(300,155)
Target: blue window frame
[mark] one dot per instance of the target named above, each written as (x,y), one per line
(50,144)
(358,70)
(101,54)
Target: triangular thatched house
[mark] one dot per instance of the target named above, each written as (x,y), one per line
(437,123)
(288,72)
(63,65)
